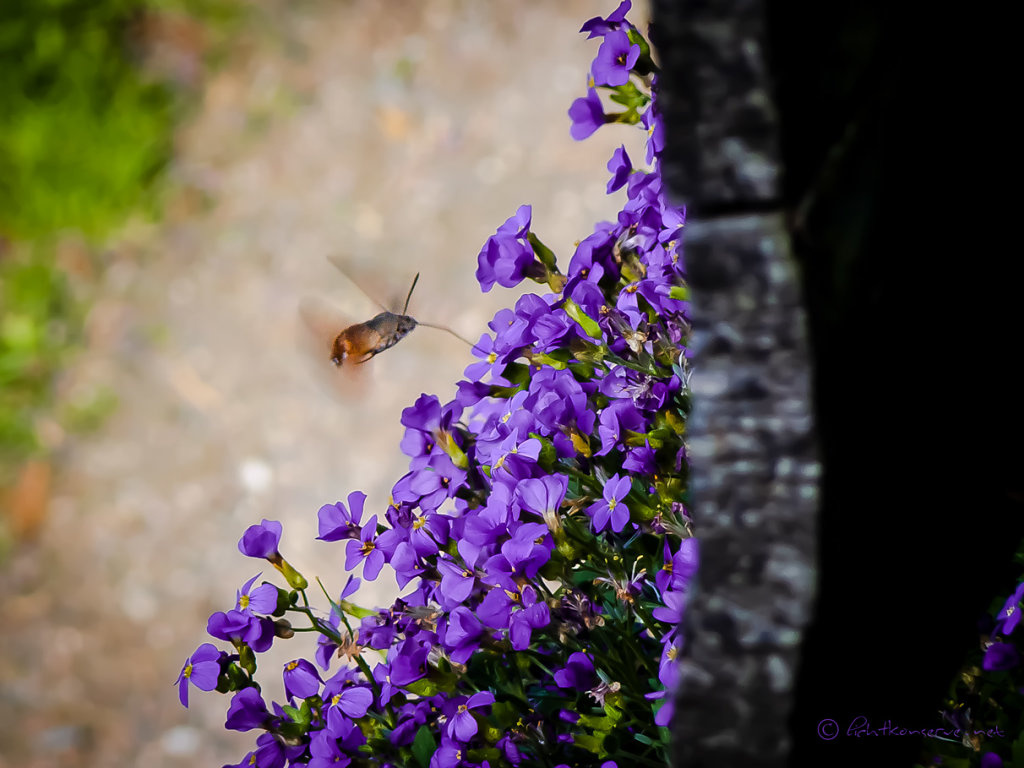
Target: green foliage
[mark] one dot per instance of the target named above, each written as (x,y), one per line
(84,135)
(36,318)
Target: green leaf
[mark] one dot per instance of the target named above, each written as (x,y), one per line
(1017,751)
(629,95)
(637,39)
(548,455)
(423,687)
(614,713)
(517,373)
(545,254)
(679,292)
(588,324)
(504,714)
(424,746)
(600,724)
(590,743)
(354,610)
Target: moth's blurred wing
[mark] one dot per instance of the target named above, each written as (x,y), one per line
(321,324)
(375,280)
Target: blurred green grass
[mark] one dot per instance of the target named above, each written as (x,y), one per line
(86,131)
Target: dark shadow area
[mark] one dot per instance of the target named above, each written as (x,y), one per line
(890,129)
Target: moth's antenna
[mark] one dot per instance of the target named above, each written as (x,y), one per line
(411,289)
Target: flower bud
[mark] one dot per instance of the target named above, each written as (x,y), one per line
(293,577)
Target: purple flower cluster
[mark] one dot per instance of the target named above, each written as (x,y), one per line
(540,534)
(999,654)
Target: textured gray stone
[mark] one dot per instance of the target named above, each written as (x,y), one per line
(751,444)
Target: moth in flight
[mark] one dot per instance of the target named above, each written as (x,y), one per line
(356,343)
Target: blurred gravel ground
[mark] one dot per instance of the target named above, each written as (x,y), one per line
(400,134)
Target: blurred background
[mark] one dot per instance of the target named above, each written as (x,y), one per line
(173,175)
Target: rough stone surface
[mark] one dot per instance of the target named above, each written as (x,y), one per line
(754,485)
(753,462)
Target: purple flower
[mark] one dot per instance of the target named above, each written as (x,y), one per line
(325,753)
(507,253)
(405,665)
(457,584)
(336,521)
(250,601)
(558,400)
(534,614)
(679,568)
(427,424)
(515,457)
(510,332)
(1009,617)
(379,630)
(201,669)
(437,480)
(247,711)
(490,361)
(370,549)
(655,133)
(462,637)
(1000,656)
(301,679)
(578,672)
(270,753)
(668,668)
(526,552)
(261,540)
(236,627)
(448,755)
(611,507)
(620,168)
(640,460)
(663,717)
(463,726)
(348,735)
(410,717)
(543,496)
(428,532)
(991,760)
(615,59)
(587,115)
(617,418)
(672,611)
(353,701)
(598,27)
(405,564)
